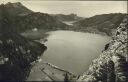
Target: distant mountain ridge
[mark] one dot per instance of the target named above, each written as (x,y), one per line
(70,17)
(104,23)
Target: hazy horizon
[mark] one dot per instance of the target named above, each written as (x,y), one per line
(81,8)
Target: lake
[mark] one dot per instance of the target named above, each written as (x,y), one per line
(73,51)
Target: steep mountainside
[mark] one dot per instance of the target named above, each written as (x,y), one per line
(112,65)
(16,52)
(103,23)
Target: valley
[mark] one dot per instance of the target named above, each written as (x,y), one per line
(36,46)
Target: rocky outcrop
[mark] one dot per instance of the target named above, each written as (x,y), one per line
(112,65)
(17,53)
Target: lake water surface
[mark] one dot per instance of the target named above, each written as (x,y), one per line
(73,51)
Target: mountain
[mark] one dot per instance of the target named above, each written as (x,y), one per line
(29,22)
(17,9)
(24,19)
(112,64)
(17,54)
(38,20)
(70,17)
(103,23)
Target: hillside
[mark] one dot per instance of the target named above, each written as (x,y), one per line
(17,55)
(103,23)
(24,19)
(112,64)
(38,20)
(17,9)
(16,52)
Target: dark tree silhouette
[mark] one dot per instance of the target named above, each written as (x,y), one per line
(66,79)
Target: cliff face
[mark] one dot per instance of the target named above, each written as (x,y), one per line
(112,65)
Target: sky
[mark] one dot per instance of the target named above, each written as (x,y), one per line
(81,8)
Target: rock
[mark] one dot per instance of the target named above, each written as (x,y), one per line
(112,65)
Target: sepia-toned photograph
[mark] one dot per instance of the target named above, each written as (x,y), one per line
(64,40)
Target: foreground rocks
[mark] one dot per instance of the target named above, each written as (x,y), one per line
(112,65)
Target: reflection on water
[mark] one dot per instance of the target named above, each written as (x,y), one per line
(69,22)
(73,51)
